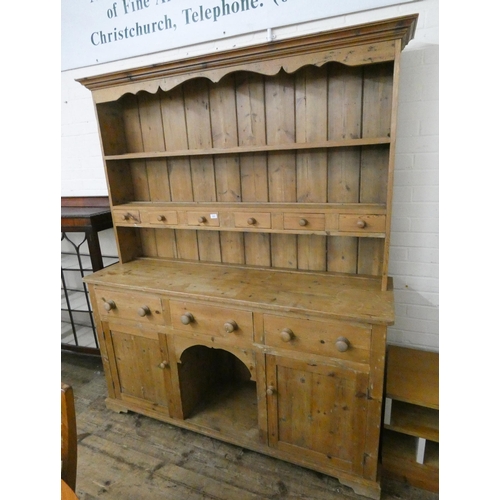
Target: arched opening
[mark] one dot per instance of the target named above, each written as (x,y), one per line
(217,391)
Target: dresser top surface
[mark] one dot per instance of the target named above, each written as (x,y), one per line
(354,298)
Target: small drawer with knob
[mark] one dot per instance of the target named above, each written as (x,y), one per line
(338,339)
(141,307)
(353,223)
(161,217)
(234,325)
(123,217)
(304,222)
(203,219)
(252,220)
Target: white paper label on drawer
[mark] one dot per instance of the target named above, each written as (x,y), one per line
(213,216)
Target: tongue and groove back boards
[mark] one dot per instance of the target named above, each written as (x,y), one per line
(311,106)
(304,121)
(251,196)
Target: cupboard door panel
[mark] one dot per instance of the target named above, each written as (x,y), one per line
(140,366)
(317,412)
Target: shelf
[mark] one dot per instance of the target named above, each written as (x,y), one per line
(349,219)
(378,208)
(413,376)
(414,420)
(231,409)
(251,149)
(410,449)
(398,461)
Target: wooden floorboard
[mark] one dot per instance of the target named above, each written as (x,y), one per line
(126,456)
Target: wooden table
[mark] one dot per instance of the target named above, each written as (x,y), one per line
(87,215)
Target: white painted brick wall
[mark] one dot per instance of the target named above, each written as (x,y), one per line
(414,241)
(415,223)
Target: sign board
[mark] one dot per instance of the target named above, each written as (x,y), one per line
(100,31)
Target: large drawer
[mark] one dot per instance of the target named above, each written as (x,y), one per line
(215,321)
(113,304)
(338,339)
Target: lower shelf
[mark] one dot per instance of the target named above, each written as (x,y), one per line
(233,411)
(412,419)
(398,461)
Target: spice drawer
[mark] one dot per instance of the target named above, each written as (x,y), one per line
(357,223)
(338,339)
(222,322)
(203,219)
(128,305)
(252,220)
(166,217)
(304,222)
(126,217)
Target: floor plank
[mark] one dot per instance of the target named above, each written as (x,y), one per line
(129,456)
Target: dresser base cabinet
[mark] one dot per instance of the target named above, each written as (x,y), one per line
(238,354)
(251,196)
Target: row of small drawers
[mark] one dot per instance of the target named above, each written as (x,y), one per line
(294,221)
(346,340)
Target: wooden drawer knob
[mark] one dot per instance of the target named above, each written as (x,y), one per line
(251,221)
(286,335)
(187,318)
(202,219)
(303,222)
(163,365)
(361,224)
(160,218)
(271,390)
(342,344)
(125,217)
(143,311)
(230,326)
(109,304)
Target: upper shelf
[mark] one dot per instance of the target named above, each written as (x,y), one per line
(369,43)
(252,149)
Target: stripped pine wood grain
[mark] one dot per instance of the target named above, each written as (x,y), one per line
(153,140)
(316,104)
(149,114)
(344,121)
(198,124)
(179,169)
(280,129)
(254,184)
(127,456)
(271,170)
(280,119)
(344,297)
(391,164)
(227,169)
(311,90)
(249,149)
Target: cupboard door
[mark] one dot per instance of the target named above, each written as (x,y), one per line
(139,366)
(317,413)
